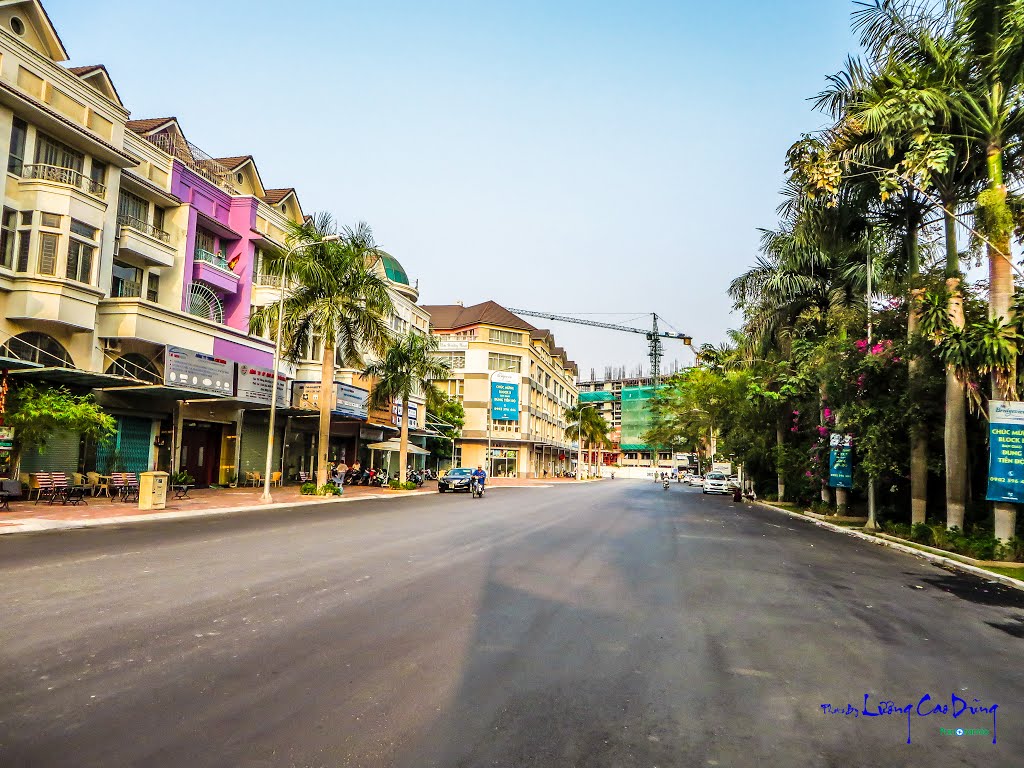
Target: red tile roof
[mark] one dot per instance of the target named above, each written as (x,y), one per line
(149,124)
(448,317)
(275,196)
(233,162)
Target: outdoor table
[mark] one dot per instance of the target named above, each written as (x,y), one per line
(181,491)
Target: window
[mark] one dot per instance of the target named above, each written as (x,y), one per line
(80,258)
(126,281)
(49,220)
(204,241)
(131,206)
(8,235)
(17,26)
(16,158)
(153,287)
(456,360)
(504,425)
(506,337)
(456,389)
(98,172)
(37,348)
(26,218)
(499,362)
(83,229)
(24,239)
(158,217)
(49,151)
(48,244)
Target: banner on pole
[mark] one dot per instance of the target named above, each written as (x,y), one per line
(840,468)
(1005,451)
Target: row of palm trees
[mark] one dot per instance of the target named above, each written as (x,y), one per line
(336,299)
(924,144)
(590,428)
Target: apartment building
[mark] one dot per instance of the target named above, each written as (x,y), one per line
(491,350)
(624,404)
(130,261)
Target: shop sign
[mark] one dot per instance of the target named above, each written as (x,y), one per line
(840,465)
(414,415)
(452,346)
(348,400)
(1005,451)
(256,385)
(505,396)
(6,439)
(195,370)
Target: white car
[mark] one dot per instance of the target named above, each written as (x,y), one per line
(695,480)
(716,482)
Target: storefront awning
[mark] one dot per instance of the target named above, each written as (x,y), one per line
(76,378)
(14,364)
(167,392)
(395,446)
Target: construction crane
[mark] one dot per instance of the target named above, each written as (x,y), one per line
(654,336)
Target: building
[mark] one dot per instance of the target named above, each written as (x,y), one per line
(624,404)
(491,350)
(130,261)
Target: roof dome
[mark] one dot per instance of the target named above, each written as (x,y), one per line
(394,270)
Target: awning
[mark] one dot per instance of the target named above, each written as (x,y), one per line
(393,445)
(167,392)
(14,364)
(77,378)
(218,228)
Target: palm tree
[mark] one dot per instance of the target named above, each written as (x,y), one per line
(586,425)
(333,294)
(407,367)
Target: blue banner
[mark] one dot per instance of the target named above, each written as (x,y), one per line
(1006,451)
(840,466)
(505,397)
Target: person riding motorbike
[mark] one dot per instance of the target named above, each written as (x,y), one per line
(480,477)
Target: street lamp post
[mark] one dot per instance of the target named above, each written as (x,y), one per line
(579,450)
(277,357)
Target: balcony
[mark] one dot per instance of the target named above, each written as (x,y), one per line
(67,176)
(214,271)
(145,241)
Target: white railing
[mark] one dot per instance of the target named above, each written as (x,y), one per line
(61,175)
(212,258)
(271,281)
(144,227)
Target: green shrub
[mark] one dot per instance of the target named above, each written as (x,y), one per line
(182,478)
(398,485)
(922,534)
(307,489)
(328,489)
(395,485)
(409,486)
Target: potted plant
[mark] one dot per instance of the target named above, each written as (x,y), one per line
(232,476)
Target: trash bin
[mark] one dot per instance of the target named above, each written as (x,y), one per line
(153,490)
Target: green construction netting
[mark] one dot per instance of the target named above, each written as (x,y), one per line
(636,417)
(597,397)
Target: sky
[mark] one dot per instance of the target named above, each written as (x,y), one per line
(607,158)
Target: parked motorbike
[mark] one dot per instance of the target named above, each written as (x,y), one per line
(414,476)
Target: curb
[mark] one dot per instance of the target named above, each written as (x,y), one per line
(949,562)
(37,525)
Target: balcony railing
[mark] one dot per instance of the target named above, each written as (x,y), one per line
(211,258)
(271,281)
(126,289)
(145,228)
(67,176)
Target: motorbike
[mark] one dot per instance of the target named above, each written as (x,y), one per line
(380,478)
(664,484)
(429,475)
(414,476)
(477,489)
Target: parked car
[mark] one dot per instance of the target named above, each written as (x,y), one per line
(455,480)
(695,480)
(716,482)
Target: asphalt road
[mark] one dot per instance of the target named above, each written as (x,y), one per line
(614,624)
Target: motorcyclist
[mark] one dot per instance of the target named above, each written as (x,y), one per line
(480,476)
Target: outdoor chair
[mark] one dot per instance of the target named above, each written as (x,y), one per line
(34,486)
(83,481)
(62,489)
(43,486)
(98,483)
(255,478)
(9,489)
(131,487)
(275,478)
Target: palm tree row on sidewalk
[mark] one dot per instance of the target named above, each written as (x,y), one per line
(590,428)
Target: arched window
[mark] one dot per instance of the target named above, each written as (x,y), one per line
(203,302)
(135,366)
(39,348)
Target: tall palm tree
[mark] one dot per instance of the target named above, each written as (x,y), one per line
(332,293)
(407,367)
(586,425)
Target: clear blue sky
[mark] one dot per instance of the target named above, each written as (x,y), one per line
(560,156)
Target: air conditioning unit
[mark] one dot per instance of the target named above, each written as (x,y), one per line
(112,346)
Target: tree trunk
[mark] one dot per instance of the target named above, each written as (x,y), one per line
(403,442)
(780,443)
(955,433)
(826,491)
(918,432)
(999,305)
(323,445)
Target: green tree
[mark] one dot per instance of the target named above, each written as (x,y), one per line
(408,366)
(332,295)
(36,413)
(585,424)
(448,411)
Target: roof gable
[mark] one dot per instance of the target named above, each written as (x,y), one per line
(286,201)
(245,176)
(98,78)
(452,316)
(37,31)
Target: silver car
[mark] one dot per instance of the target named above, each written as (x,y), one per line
(716,482)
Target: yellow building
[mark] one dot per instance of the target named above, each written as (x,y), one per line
(491,350)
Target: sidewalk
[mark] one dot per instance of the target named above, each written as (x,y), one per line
(28,516)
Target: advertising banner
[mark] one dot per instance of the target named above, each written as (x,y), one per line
(195,370)
(1005,451)
(505,396)
(256,385)
(414,415)
(6,438)
(840,466)
(348,400)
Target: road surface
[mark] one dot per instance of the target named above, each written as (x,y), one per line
(612,624)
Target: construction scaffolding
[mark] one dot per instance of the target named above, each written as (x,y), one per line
(636,417)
